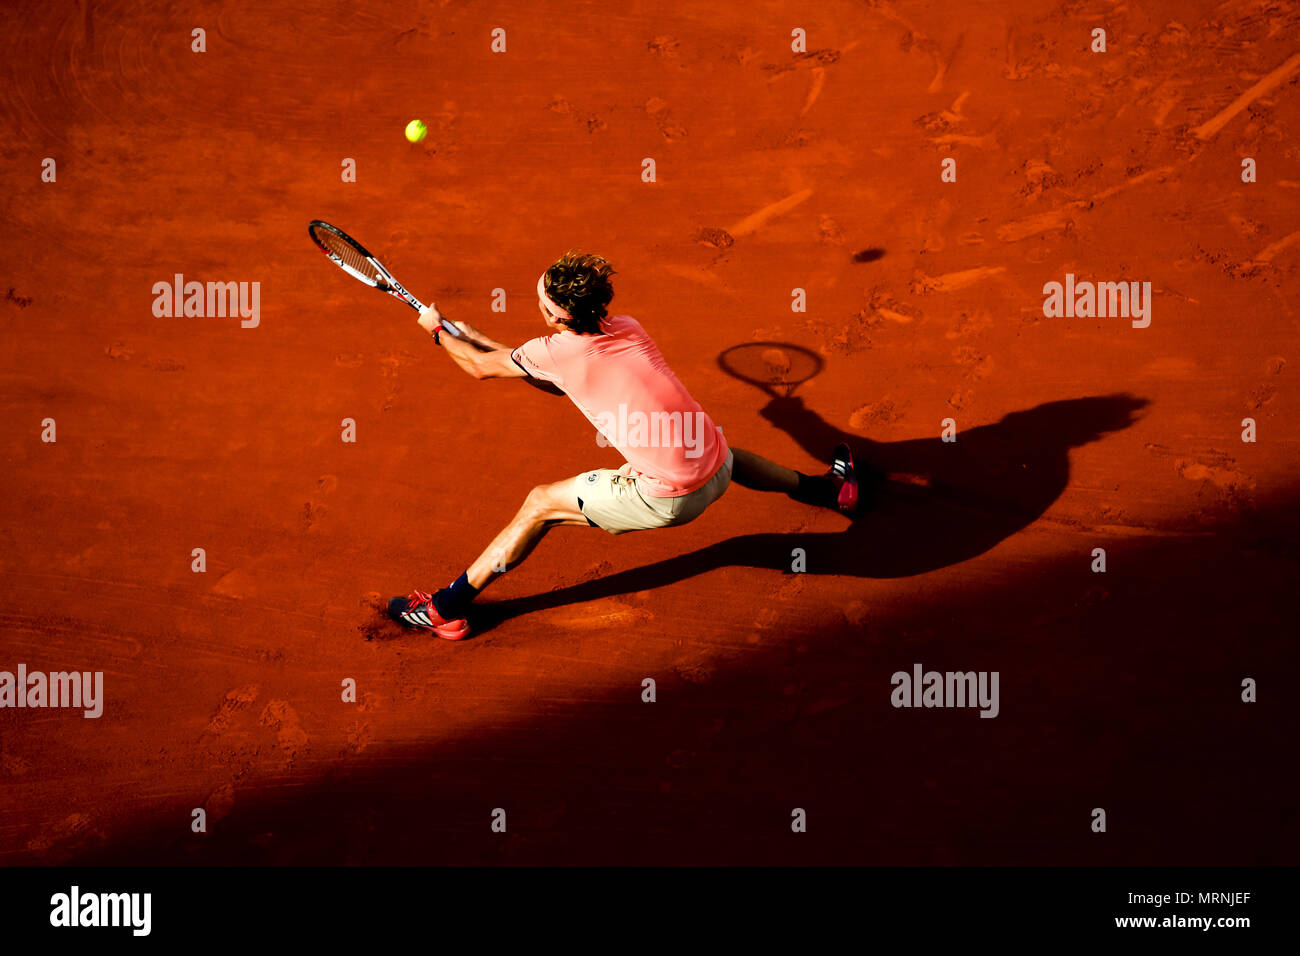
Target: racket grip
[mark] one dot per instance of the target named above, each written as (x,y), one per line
(446,326)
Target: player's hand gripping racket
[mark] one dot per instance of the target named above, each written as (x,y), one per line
(352,258)
(778,368)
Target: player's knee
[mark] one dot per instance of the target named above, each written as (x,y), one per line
(537,503)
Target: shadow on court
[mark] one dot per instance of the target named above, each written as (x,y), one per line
(1105,682)
(930,504)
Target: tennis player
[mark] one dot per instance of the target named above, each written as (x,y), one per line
(612,370)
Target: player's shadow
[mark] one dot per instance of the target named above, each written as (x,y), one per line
(932,503)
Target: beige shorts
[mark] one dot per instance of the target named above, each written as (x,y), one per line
(614,502)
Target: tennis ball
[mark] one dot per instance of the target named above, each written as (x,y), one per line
(416,131)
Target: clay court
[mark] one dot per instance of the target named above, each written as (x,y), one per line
(775,170)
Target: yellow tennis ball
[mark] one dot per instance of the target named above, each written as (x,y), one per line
(416,131)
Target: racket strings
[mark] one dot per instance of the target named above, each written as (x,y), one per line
(351,257)
(347,254)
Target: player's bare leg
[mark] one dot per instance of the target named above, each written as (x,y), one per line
(546,507)
(838,488)
(754,471)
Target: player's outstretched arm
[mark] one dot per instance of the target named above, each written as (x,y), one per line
(476,358)
(475,337)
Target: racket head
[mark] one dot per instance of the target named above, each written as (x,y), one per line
(345,252)
(778,368)
(354,259)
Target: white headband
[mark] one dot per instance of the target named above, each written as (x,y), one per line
(556,311)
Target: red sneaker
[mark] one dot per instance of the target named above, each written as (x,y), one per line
(418,612)
(845,478)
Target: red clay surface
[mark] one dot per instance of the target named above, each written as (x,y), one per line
(1118,690)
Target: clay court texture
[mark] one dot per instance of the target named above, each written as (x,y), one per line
(775,169)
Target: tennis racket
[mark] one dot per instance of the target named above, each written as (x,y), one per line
(352,257)
(778,368)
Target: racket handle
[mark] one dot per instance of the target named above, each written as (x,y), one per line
(446,325)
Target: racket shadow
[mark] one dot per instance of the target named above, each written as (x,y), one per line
(776,368)
(932,504)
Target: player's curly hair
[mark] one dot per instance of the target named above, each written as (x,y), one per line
(579,283)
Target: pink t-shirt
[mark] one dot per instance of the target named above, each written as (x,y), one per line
(621,382)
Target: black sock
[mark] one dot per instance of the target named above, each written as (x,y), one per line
(453,601)
(816,490)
